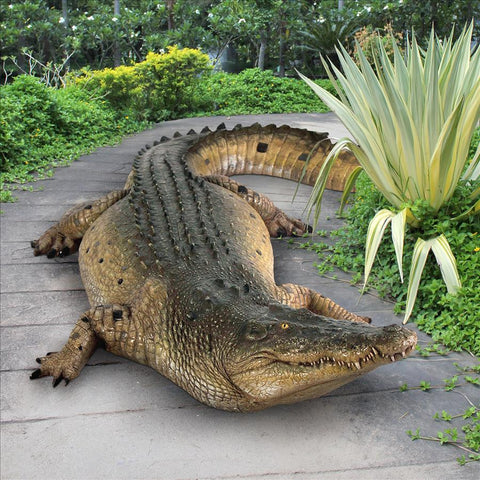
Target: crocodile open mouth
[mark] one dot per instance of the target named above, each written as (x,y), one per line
(373,356)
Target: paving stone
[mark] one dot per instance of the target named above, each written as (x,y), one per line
(42,308)
(41,278)
(327,435)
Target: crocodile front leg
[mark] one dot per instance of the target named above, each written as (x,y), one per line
(278,223)
(98,323)
(64,238)
(298,296)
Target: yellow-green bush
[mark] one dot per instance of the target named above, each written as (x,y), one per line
(160,87)
(120,86)
(169,79)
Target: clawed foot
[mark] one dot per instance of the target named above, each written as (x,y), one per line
(54,243)
(56,365)
(282,225)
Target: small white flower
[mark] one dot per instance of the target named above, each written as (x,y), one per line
(61,20)
(385,7)
(368,8)
(321,20)
(241,20)
(197,11)
(114,19)
(29,26)
(10,6)
(74,27)
(90,17)
(210,15)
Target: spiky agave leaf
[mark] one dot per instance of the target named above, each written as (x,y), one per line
(412,120)
(352,178)
(445,259)
(376,229)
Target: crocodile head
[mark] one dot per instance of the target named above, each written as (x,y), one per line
(286,355)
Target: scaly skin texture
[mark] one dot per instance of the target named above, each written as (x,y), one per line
(178,269)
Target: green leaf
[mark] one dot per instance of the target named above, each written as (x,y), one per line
(445,260)
(375,233)
(425,386)
(348,186)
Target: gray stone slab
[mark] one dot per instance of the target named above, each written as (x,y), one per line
(42,308)
(16,253)
(50,213)
(22,231)
(325,435)
(63,198)
(43,278)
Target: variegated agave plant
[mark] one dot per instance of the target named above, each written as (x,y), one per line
(412,120)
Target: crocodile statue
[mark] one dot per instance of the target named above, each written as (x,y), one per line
(178,269)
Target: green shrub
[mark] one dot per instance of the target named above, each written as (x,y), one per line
(168,81)
(27,111)
(120,86)
(160,87)
(41,127)
(255,91)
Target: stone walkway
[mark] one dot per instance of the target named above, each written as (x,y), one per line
(121,420)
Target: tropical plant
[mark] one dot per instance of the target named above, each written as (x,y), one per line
(331,28)
(412,120)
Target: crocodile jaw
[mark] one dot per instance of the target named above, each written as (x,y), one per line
(270,378)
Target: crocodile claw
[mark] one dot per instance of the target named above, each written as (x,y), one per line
(56,381)
(36,374)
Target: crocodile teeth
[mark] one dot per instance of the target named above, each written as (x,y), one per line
(392,358)
(357,364)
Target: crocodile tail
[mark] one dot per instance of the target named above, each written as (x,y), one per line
(270,150)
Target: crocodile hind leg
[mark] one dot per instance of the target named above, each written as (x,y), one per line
(64,238)
(278,223)
(298,296)
(97,324)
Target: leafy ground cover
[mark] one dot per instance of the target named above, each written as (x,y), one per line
(42,127)
(255,91)
(460,429)
(451,319)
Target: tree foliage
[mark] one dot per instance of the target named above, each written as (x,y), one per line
(270,34)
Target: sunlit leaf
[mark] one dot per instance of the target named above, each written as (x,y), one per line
(445,260)
(352,178)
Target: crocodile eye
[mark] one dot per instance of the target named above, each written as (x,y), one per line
(284,326)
